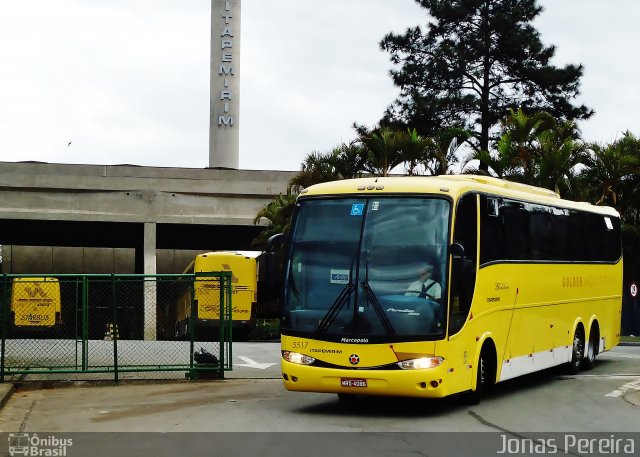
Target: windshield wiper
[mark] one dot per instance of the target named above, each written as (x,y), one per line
(328,318)
(377,307)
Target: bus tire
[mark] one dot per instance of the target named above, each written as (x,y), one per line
(483,376)
(589,358)
(577,351)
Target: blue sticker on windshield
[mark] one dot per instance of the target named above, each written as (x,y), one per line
(357,209)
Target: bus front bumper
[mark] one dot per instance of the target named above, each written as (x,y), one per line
(427,383)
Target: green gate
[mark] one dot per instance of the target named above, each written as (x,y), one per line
(115,324)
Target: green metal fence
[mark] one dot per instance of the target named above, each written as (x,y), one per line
(114,324)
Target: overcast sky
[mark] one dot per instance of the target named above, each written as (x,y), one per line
(127,81)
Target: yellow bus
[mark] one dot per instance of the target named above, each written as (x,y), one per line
(35,302)
(525,281)
(247,286)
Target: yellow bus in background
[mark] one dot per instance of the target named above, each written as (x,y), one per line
(35,302)
(245,267)
(526,281)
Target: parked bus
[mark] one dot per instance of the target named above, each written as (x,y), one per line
(35,303)
(526,281)
(251,297)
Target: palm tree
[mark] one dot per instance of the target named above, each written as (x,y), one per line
(515,156)
(350,161)
(316,168)
(538,150)
(489,164)
(560,153)
(442,150)
(343,162)
(612,170)
(520,133)
(415,151)
(384,148)
(277,214)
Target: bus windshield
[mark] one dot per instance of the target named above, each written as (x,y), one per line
(369,269)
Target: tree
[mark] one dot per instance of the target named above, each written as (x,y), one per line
(416,153)
(537,150)
(613,171)
(343,162)
(516,154)
(477,59)
(435,155)
(442,150)
(517,143)
(384,147)
(278,214)
(561,152)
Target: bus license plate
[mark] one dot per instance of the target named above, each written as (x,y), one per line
(353,382)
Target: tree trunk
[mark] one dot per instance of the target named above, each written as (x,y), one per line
(484,99)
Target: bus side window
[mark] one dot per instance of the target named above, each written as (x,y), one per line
(463,273)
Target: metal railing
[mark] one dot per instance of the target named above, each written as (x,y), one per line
(114,324)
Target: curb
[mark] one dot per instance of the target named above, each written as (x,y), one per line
(6,390)
(629,343)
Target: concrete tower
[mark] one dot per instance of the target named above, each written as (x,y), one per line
(224,125)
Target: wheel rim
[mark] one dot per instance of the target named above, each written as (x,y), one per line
(578,348)
(481,374)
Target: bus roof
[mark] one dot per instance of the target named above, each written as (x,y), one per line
(246,254)
(453,186)
(250,254)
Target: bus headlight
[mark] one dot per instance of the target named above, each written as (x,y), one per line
(295,357)
(421,363)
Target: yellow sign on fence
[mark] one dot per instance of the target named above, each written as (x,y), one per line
(35,302)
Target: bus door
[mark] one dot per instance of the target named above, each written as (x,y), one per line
(460,351)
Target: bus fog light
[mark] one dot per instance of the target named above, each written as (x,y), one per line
(421,363)
(295,357)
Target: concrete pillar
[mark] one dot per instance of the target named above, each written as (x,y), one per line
(150,302)
(224,125)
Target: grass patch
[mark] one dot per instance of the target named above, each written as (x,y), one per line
(630,339)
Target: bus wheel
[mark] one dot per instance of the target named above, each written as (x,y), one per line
(589,359)
(577,353)
(482,379)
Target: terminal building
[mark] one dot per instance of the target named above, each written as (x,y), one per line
(58,218)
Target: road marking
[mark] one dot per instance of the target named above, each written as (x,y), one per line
(633,385)
(602,376)
(250,363)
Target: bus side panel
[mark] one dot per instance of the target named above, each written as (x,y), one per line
(551,301)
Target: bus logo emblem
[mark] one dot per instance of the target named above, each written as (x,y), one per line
(354,359)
